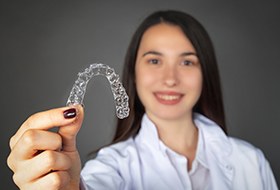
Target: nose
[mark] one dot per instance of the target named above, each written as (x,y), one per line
(170,76)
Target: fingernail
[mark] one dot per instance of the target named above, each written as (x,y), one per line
(70,113)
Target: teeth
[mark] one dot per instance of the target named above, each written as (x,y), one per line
(168,97)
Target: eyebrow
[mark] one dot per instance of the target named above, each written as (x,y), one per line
(188,53)
(151,52)
(160,54)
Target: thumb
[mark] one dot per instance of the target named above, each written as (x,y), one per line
(69,132)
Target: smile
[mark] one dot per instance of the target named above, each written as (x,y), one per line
(169,98)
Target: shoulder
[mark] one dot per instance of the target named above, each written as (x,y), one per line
(252,160)
(110,169)
(242,145)
(218,141)
(116,155)
(112,160)
(122,149)
(246,151)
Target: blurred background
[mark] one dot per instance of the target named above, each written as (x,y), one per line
(44,44)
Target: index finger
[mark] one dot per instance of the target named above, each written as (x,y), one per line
(43,120)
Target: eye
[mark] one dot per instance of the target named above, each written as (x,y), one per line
(187,62)
(153,61)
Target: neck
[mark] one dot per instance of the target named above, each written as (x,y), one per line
(179,135)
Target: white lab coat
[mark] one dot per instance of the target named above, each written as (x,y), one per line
(137,163)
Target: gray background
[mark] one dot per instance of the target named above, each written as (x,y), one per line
(44,44)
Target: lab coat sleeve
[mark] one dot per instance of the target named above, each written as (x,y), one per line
(101,173)
(269,182)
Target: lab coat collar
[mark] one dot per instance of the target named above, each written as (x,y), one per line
(213,134)
(208,130)
(149,136)
(217,148)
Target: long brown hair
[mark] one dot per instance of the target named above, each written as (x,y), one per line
(210,103)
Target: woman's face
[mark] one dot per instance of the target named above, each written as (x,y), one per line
(168,73)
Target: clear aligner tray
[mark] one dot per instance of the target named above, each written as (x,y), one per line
(79,88)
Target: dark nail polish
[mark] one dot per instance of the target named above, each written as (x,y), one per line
(70,113)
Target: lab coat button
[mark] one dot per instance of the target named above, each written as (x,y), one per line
(229,167)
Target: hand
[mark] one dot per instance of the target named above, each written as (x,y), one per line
(41,159)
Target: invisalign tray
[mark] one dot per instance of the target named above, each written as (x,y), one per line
(79,88)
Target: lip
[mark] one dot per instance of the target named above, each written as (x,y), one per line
(168,97)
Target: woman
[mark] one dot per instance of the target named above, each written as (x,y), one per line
(174,138)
